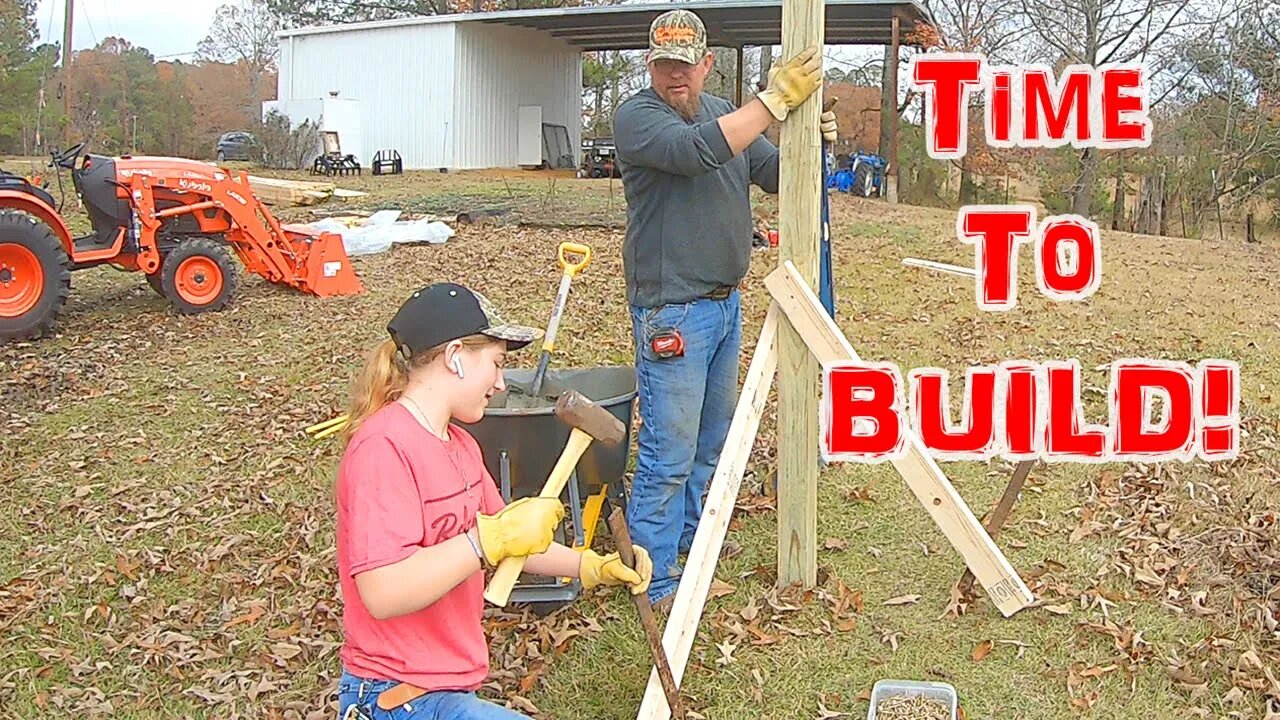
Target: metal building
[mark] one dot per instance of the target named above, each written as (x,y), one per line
(482,90)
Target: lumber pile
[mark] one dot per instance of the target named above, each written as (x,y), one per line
(275,191)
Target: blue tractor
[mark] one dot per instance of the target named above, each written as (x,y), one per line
(860,173)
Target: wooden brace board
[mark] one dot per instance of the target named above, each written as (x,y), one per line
(917,467)
(700,569)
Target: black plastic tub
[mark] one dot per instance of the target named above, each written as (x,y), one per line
(528,441)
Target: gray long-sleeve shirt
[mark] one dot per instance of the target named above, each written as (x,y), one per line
(688,199)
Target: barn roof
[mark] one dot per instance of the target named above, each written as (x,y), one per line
(730,23)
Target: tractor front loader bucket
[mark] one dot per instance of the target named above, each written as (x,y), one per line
(327,270)
(289,254)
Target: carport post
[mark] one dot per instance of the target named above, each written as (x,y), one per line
(737,91)
(891,176)
(799,204)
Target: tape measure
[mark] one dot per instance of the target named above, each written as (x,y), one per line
(668,344)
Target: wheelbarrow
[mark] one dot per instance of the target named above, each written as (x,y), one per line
(521,445)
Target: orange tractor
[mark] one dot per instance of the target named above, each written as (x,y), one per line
(177,221)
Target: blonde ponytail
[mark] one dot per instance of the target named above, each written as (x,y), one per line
(381,381)
(385,376)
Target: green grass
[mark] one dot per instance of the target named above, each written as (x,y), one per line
(173,446)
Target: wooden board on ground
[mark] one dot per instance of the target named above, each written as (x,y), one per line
(917,467)
(700,569)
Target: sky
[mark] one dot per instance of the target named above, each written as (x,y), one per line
(170,29)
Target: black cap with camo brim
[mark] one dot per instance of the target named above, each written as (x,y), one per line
(442,312)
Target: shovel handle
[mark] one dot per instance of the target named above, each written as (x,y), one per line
(569,267)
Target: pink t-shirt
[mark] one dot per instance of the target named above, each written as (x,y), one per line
(401,488)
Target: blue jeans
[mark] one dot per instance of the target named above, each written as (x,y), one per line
(359,697)
(686,404)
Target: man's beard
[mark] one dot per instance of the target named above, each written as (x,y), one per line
(688,108)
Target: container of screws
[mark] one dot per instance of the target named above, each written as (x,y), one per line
(912,700)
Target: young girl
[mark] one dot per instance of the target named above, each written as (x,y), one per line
(419,516)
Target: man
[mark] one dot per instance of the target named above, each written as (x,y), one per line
(688,159)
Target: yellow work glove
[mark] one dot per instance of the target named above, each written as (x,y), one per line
(597,569)
(525,527)
(792,82)
(827,122)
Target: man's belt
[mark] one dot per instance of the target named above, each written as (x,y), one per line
(399,694)
(721,292)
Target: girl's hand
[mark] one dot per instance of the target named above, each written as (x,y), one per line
(525,527)
(609,569)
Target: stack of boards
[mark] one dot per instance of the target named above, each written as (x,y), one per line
(274,191)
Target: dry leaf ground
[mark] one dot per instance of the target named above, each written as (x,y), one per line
(166,533)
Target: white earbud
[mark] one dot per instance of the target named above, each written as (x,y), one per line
(457,366)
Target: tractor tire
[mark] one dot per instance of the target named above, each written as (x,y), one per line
(863,177)
(35,277)
(199,276)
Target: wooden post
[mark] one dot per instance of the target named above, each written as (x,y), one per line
(737,90)
(891,176)
(799,215)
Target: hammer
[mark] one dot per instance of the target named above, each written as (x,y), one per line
(589,421)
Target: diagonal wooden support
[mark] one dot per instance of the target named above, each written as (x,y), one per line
(700,568)
(917,467)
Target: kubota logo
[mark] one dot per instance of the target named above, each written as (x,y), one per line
(186,184)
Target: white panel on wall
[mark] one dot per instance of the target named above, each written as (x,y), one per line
(402,76)
(529,135)
(500,69)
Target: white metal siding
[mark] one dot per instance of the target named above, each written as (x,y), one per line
(498,69)
(400,75)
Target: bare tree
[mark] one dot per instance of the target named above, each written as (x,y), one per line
(994,28)
(1100,32)
(243,33)
(1227,113)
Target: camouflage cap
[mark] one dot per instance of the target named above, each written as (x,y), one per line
(442,312)
(677,35)
(517,336)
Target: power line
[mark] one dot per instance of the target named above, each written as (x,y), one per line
(92,33)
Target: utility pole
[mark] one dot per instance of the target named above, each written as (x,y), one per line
(66,69)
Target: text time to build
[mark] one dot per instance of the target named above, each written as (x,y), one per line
(1020,409)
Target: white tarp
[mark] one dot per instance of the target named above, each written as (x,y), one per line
(382,230)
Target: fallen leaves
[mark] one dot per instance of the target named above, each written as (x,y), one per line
(827,714)
(215,514)
(726,649)
(903,600)
(256,611)
(719,589)
(981,651)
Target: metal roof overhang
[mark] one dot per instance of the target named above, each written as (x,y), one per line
(730,23)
